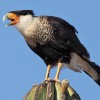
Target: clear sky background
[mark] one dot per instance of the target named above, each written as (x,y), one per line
(20,68)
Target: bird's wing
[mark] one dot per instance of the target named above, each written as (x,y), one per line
(65,36)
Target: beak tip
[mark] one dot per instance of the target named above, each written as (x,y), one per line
(6,26)
(4,17)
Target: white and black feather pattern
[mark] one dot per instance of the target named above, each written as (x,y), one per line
(39,32)
(57,31)
(51,32)
(55,40)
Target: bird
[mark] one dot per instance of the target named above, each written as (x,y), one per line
(55,41)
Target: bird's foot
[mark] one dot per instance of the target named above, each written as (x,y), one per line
(56,80)
(51,80)
(48,80)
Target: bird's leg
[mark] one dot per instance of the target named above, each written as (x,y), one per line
(47,73)
(58,71)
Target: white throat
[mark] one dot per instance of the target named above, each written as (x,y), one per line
(24,23)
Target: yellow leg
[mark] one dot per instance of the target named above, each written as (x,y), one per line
(58,71)
(48,72)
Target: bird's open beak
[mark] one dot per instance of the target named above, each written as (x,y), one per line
(12,17)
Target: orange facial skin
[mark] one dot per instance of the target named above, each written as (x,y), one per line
(13,17)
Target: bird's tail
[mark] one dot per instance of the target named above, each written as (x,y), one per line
(87,66)
(96,68)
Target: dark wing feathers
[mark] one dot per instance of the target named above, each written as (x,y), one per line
(65,35)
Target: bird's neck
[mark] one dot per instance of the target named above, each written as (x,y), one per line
(24,22)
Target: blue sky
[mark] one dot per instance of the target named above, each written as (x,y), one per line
(20,68)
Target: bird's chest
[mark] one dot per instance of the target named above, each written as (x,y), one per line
(39,34)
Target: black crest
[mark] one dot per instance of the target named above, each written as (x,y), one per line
(22,12)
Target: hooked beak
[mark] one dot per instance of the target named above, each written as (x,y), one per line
(12,17)
(5,17)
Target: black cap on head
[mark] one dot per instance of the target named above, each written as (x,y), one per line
(22,12)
